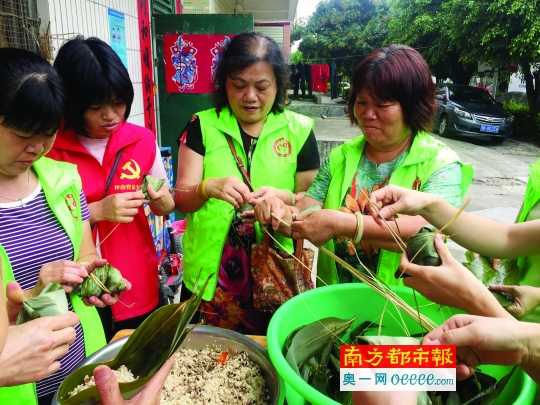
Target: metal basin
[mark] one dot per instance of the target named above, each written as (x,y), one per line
(202,337)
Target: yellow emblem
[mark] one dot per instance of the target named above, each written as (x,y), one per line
(134,173)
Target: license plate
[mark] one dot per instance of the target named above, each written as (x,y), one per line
(489,128)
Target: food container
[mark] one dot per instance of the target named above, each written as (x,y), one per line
(202,337)
(354,299)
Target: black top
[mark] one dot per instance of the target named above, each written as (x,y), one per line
(307,159)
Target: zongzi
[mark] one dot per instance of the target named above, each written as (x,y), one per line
(156,185)
(103,280)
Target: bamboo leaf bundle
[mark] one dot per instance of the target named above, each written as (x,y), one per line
(50,302)
(154,182)
(103,280)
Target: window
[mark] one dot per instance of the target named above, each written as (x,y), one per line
(19,25)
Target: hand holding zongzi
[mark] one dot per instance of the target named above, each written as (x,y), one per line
(159,198)
(451,284)
(121,207)
(65,272)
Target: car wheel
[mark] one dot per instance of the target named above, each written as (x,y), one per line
(443,125)
(497,139)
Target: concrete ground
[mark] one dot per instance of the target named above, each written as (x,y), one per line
(501,170)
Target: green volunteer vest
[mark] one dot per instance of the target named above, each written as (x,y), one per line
(273,164)
(58,180)
(425,157)
(532,195)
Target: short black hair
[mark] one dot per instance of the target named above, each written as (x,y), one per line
(244,50)
(92,74)
(397,73)
(31,95)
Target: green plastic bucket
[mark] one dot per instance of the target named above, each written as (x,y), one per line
(348,300)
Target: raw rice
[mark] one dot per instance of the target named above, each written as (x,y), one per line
(122,375)
(197,379)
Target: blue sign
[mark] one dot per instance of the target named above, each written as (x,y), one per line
(117,32)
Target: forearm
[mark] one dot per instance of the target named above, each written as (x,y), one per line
(382,238)
(187,199)
(530,338)
(95,210)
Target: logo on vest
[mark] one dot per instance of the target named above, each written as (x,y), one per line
(71,203)
(133,172)
(282,147)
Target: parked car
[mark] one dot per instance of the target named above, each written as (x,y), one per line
(470,111)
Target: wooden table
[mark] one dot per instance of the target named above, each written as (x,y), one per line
(126,332)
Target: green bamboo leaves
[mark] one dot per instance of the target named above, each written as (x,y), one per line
(421,248)
(146,350)
(103,280)
(50,302)
(155,183)
(506,274)
(240,210)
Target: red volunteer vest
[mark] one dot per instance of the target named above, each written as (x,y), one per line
(130,248)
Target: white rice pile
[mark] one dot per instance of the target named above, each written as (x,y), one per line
(122,374)
(197,379)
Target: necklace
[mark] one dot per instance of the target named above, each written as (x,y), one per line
(24,195)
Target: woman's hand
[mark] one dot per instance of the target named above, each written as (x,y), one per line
(322,225)
(265,192)
(229,189)
(161,201)
(391,200)
(32,349)
(105,299)
(107,386)
(483,340)
(273,205)
(121,207)
(69,274)
(526,298)
(451,284)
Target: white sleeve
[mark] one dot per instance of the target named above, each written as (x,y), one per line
(158,169)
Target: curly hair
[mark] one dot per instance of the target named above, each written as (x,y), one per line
(244,50)
(397,73)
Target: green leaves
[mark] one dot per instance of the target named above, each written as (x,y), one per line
(103,280)
(50,302)
(155,183)
(506,274)
(421,249)
(146,350)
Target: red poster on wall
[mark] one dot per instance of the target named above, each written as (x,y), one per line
(191,60)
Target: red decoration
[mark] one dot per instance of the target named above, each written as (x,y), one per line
(190,61)
(146,65)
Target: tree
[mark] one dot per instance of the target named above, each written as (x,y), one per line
(346,30)
(296,57)
(499,32)
(420,24)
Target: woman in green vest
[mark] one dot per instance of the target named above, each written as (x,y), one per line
(279,152)
(44,232)
(392,101)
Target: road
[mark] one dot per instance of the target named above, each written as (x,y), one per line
(501,170)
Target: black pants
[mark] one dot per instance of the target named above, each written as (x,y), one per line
(46,399)
(110,326)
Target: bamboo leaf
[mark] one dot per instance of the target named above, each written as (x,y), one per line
(154,182)
(506,274)
(312,338)
(421,247)
(146,350)
(51,301)
(387,340)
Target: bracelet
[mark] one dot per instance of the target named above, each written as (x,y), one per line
(203,189)
(198,192)
(359,227)
(291,195)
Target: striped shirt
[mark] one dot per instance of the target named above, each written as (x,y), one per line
(32,236)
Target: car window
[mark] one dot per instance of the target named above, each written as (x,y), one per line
(470,95)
